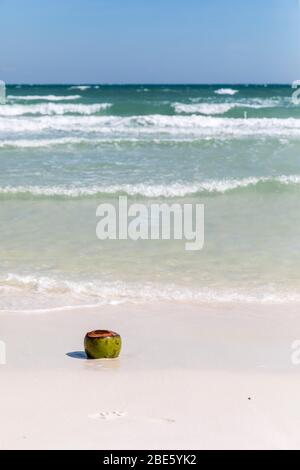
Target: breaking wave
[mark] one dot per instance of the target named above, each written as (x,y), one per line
(80,87)
(20,292)
(203,108)
(221,108)
(226,91)
(52,109)
(153,191)
(43,98)
(154,125)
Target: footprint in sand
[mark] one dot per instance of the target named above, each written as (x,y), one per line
(161,420)
(108,415)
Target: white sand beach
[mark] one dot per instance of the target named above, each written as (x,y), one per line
(189,377)
(149,186)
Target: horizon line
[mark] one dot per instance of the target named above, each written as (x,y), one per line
(148,84)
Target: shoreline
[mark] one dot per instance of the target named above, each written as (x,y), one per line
(189,376)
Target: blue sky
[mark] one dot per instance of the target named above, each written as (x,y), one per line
(149,41)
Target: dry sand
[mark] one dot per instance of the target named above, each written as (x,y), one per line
(189,377)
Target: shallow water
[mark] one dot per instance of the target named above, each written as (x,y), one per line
(63,150)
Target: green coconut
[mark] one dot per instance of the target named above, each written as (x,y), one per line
(99,344)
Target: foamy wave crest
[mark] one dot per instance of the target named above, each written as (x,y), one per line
(226,91)
(40,143)
(43,98)
(154,191)
(66,141)
(21,291)
(176,190)
(203,108)
(52,109)
(80,87)
(156,125)
(222,108)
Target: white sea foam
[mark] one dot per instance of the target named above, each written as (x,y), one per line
(80,87)
(226,91)
(65,141)
(49,109)
(221,108)
(154,125)
(70,141)
(39,143)
(43,98)
(46,291)
(149,190)
(261,103)
(203,108)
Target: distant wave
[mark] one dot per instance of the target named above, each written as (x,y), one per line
(154,125)
(22,291)
(49,109)
(43,98)
(153,191)
(222,108)
(226,91)
(80,87)
(203,108)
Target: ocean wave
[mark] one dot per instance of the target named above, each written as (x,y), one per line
(43,98)
(178,190)
(203,108)
(155,125)
(52,109)
(66,141)
(222,108)
(96,141)
(226,91)
(19,290)
(80,87)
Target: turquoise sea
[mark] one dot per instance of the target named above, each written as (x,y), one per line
(65,149)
